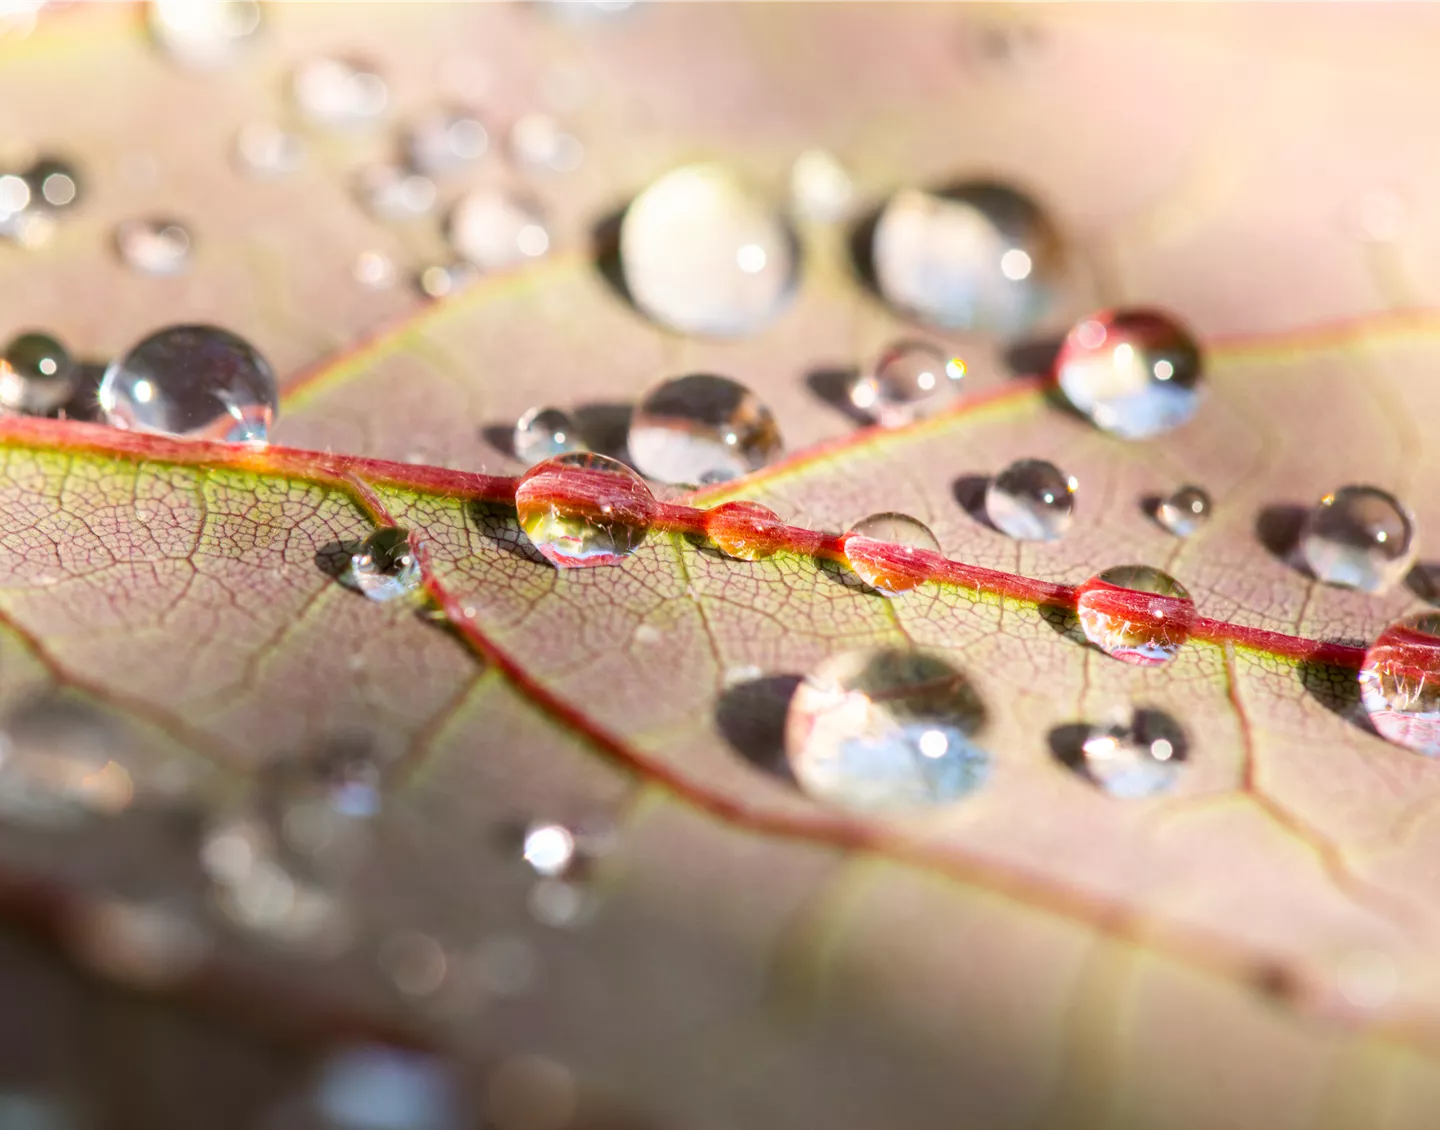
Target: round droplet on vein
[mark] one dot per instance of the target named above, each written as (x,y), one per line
(979,256)
(543,433)
(54,184)
(1359,537)
(1133,760)
(37,375)
(1031,500)
(701,429)
(1136,613)
(909,380)
(203,34)
(153,246)
(704,253)
(745,530)
(198,381)
(883,729)
(385,568)
(494,228)
(582,509)
(1135,373)
(1184,511)
(881,549)
(445,139)
(1400,683)
(338,92)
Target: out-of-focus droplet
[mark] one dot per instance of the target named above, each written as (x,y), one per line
(445,139)
(886,729)
(1359,537)
(384,568)
(37,375)
(820,187)
(1134,760)
(61,761)
(415,962)
(263,149)
(1135,373)
(1400,683)
(203,34)
(146,945)
(543,433)
(980,256)
(54,184)
(549,848)
(531,1093)
(1136,613)
(1031,500)
(704,253)
(560,903)
(441,280)
(745,530)
(373,270)
(197,381)
(495,228)
(390,192)
(537,141)
(374,1087)
(701,428)
(881,549)
(338,92)
(1184,511)
(909,380)
(153,246)
(582,509)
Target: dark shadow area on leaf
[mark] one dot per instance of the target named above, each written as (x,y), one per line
(1063,622)
(832,385)
(969,492)
(861,243)
(1424,581)
(1067,744)
(1067,741)
(1337,689)
(84,402)
(1278,529)
(501,437)
(846,578)
(1150,507)
(751,717)
(497,525)
(605,252)
(1033,357)
(333,558)
(605,428)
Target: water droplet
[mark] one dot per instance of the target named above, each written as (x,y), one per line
(203,34)
(390,192)
(54,184)
(549,848)
(700,429)
(1135,373)
(146,945)
(1135,613)
(1031,500)
(372,1087)
(1359,537)
(543,433)
(494,228)
(445,139)
(441,280)
(978,256)
(415,962)
(338,92)
(1136,760)
(192,381)
(263,149)
(153,246)
(820,187)
(881,549)
(582,509)
(1400,683)
(60,761)
(886,729)
(374,270)
(555,902)
(37,375)
(745,530)
(537,141)
(703,253)
(909,380)
(384,567)
(1184,511)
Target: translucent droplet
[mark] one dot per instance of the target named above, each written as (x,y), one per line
(703,253)
(979,256)
(745,530)
(1133,761)
(881,549)
(203,34)
(1135,373)
(37,375)
(543,433)
(820,187)
(390,192)
(549,848)
(908,381)
(54,184)
(1359,537)
(883,729)
(445,139)
(338,92)
(373,1087)
(192,381)
(583,509)
(1031,500)
(61,761)
(384,567)
(374,270)
(494,228)
(1400,683)
(538,141)
(263,149)
(1184,511)
(153,246)
(701,428)
(1136,613)
(441,280)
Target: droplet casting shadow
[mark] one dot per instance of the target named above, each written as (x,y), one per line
(1063,622)
(1278,530)
(605,428)
(832,385)
(1067,741)
(1150,507)
(969,492)
(861,244)
(84,402)
(501,437)
(1424,581)
(1067,744)
(838,574)
(333,558)
(605,250)
(1034,357)
(1338,690)
(751,717)
(496,524)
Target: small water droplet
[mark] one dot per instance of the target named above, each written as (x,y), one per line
(193,381)
(373,270)
(153,246)
(1184,511)
(1031,500)
(1400,683)
(881,550)
(886,729)
(203,34)
(37,375)
(543,433)
(445,139)
(703,253)
(54,184)
(909,380)
(338,92)
(415,962)
(555,902)
(549,848)
(745,530)
(1135,613)
(391,192)
(384,567)
(979,256)
(373,1087)
(1135,373)
(820,187)
(1359,537)
(61,761)
(494,228)
(701,429)
(582,509)
(538,141)
(441,280)
(263,149)
(1136,760)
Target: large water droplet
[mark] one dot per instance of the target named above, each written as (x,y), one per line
(908,381)
(1135,373)
(979,256)
(1133,761)
(745,530)
(391,192)
(1136,613)
(338,92)
(704,253)
(445,139)
(583,509)
(37,375)
(1359,537)
(549,848)
(203,34)
(54,184)
(1184,511)
(701,429)
(192,381)
(1400,683)
(1031,500)
(495,228)
(881,549)
(153,246)
(886,729)
(385,567)
(543,433)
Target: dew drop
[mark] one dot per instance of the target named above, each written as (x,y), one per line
(979,256)
(549,848)
(701,429)
(1400,683)
(886,729)
(538,142)
(1359,537)
(263,149)
(820,187)
(334,92)
(704,253)
(384,568)
(909,380)
(1135,373)
(745,530)
(1136,613)
(582,509)
(1184,511)
(203,34)
(373,270)
(1137,760)
(37,375)
(54,184)
(153,246)
(1031,500)
(444,140)
(60,761)
(391,192)
(543,433)
(441,280)
(494,228)
(373,1087)
(881,549)
(197,381)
